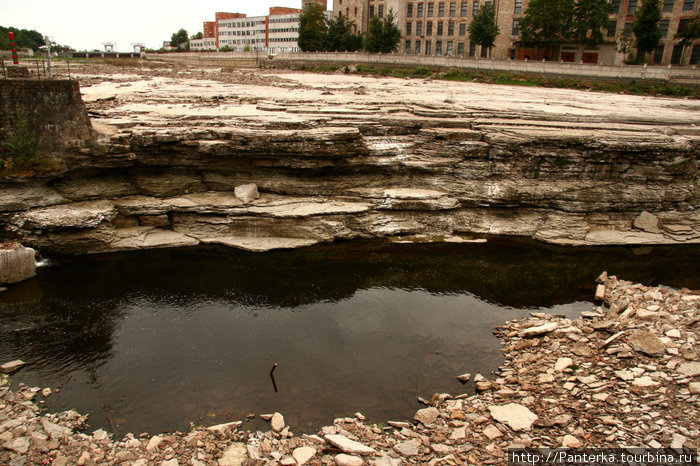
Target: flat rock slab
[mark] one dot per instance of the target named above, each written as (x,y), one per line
(645,341)
(234,455)
(689,369)
(260,244)
(539,330)
(12,366)
(515,416)
(349,446)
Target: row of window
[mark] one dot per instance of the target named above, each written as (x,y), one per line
(283,39)
(440,9)
(241,24)
(419,48)
(247,32)
(291,19)
(285,30)
(668,7)
(440,28)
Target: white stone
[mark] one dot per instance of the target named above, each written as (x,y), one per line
(302,455)
(563,363)
(54,430)
(154,444)
(172,462)
(492,432)
(647,222)
(16,264)
(464,378)
(247,192)
(277,422)
(348,446)
(624,375)
(689,369)
(18,445)
(673,333)
(46,392)
(694,388)
(427,416)
(644,381)
(348,460)
(407,448)
(678,440)
(516,416)
(99,435)
(234,455)
(222,428)
(12,366)
(569,441)
(539,330)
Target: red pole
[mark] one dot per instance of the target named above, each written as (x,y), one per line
(15,58)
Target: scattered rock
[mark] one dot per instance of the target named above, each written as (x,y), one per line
(538,330)
(247,192)
(562,364)
(647,222)
(277,422)
(645,341)
(234,455)
(569,441)
(12,366)
(689,369)
(303,455)
(492,432)
(427,416)
(514,415)
(464,378)
(407,448)
(349,446)
(348,460)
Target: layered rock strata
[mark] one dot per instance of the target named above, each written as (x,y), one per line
(335,157)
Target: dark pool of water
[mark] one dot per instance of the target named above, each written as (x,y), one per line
(162,338)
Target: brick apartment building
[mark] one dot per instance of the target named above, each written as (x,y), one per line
(435,27)
(274,33)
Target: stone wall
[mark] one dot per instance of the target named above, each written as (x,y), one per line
(53,109)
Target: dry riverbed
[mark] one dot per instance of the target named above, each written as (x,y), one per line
(625,374)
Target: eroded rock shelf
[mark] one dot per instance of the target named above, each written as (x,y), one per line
(342,157)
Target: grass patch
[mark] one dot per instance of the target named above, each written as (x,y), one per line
(632,86)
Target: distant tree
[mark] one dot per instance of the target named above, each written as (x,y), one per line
(589,19)
(24,38)
(546,22)
(180,39)
(483,28)
(226,48)
(382,36)
(312,28)
(340,36)
(688,35)
(647,31)
(199,35)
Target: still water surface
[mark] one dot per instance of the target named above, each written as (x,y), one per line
(162,338)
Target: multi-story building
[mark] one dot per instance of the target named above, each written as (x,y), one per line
(435,27)
(274,33)
(321,3)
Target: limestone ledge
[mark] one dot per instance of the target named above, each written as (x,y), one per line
(277,222)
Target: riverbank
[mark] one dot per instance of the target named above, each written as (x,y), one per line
(625,374)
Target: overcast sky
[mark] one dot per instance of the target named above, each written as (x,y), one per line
(86,24)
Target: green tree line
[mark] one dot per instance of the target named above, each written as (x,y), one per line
(319,34)
(24,38)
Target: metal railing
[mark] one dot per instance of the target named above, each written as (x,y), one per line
(35,69)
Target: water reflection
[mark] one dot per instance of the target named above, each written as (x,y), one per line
(162,338)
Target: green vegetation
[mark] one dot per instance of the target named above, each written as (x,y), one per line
(319,34)
(483,30)
(647,31)
(632,86)
(313,29)
(383,35)
(549,22)
(21,149)
(180,40)
(24,38)
(688,35)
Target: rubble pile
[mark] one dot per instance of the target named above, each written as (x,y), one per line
(625,374)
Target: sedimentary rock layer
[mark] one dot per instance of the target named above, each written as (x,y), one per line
(338,157)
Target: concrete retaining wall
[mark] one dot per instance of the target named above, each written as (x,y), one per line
(54,109)
(689,75)
(16,265)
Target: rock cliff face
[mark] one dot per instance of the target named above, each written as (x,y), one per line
(374,158)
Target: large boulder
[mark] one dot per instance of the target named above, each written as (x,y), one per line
(16,263)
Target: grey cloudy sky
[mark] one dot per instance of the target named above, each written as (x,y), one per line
(86,24)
